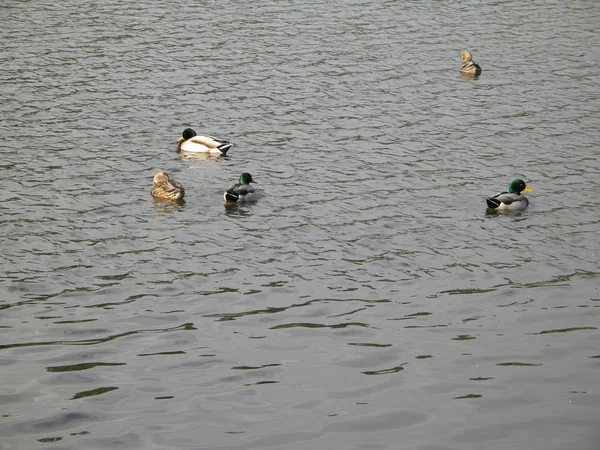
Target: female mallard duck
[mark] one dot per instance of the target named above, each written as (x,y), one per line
(165,188)
(191,142)
(511,200)
(241,191)
(469,66)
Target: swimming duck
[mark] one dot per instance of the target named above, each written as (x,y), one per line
(165,188)
(469,66)
(241,191)
(191,142)
(511,200)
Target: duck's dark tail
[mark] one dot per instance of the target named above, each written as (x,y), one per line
(492,202)
(224,148)
(231,196)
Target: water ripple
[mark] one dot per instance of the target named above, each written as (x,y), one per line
(133,323)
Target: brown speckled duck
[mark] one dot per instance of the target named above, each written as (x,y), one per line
(166,189)
(469,66)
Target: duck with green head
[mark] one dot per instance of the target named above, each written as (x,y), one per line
(511,200)
(469,67)
(241,191)
(191,142)
(165,188)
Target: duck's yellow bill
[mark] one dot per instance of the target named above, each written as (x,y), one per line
(528,189)
(180,139)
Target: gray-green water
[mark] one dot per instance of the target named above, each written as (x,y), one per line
(367,301)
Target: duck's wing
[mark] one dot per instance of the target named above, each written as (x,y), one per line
(231,195)
(222,141)
(238,189)
(243,189)
(168,190)
(470,66)
(502,197)
(171,186)
(208,141)
(494,201)
(232,187)
(507,198)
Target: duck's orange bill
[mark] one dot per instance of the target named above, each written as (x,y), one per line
(528,189)
(180,139)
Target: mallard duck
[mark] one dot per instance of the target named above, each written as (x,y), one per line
(165,188)
(191,142)
(469,66)
(511,200)
(241,191)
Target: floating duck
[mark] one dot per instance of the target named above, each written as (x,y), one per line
(191,142)
(469,66)
(241,191)
(165,188)
(511,200)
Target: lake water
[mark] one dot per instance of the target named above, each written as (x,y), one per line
(367,300)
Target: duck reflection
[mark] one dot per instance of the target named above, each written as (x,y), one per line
(165,207)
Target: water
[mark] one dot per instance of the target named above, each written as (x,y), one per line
(367,300)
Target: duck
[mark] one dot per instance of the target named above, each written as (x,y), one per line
(241,191)
(165,188)
(511,200)
(191,142)
(469,66)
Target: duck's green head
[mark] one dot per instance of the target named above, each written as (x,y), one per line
(517,186)
(187,134)
(246,178)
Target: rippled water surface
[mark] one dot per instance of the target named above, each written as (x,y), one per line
(367,300)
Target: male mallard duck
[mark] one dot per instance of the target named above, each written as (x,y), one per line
(469,66)
(511,200)
(242,191)
(165,188)
(191,142)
